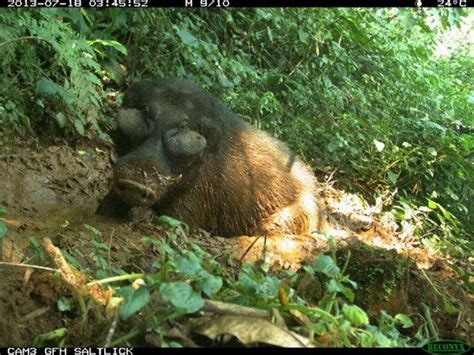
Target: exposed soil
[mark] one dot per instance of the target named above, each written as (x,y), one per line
(54,191)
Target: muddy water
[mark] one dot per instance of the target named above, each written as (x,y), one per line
(44,190)
(53,192)
(57,175)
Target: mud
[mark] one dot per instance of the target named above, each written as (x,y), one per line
(53,192)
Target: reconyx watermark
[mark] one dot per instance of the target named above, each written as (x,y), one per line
(446,347)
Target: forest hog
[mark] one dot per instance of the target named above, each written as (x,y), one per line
(186,155)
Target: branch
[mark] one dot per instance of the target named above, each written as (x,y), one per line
(29,266)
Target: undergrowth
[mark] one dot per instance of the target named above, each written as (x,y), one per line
(184,279)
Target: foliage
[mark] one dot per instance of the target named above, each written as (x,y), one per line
(184,278)
(51,76)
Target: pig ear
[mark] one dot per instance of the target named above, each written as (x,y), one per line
(151,112)
(211,131)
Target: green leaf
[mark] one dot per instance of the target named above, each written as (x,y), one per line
(355,315)
(38,249)
(267,287)
(168,250)
(225,82)
(265,14)
(110,43)
(10,106)
(209,284)
(182,296)
(52,338)
(70,259)
(169,221)
(47,87)
(100,245)
(326,265)
(155,265)
(3,211)
(432,151)
(187,38)
(382,340)
(319,328)
(248,279)
(449,308)
(431,204)
(392,177)
(79,127)
(188,264)
(366,340)
(134,300)
(336,287)
(446,213)
(101,274)
(404,320)
(352,283)
(303,36)
(60,119)
(92,229)
(327,82)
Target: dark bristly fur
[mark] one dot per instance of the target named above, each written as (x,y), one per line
(245,182)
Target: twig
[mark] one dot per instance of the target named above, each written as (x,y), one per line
(423,272)
(29,266)
(11,222)
(36,313)
(73,279)
(346,263)
(115,279)
(111,332)
(250,247)
(70,275)
(431,326)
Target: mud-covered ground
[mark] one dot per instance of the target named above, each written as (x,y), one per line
(52,191)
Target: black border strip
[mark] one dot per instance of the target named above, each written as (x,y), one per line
(222,4)
(207,351)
